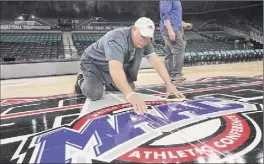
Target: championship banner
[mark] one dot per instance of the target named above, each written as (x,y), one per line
(24,27)
(105,27)
(101,28)
(29,23)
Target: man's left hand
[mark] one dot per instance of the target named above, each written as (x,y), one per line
(171,89)
(187,26)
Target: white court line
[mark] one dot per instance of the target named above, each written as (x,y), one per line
(9,109)
(13,139)
(13,85)
(248,90)
(251,98)
(154,91)
(213,94)
(60,103)
(7,124)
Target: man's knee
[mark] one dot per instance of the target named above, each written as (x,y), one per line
(92,93)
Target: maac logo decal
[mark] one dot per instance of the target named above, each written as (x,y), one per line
(169,132)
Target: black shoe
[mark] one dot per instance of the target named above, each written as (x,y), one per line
(77,87)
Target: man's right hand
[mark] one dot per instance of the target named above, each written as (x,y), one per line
(171,35)
(138,104)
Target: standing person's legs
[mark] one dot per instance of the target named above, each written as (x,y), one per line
(174,59)
(168,57)
(179,51)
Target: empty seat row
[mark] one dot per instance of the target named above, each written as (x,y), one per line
(31,46)
(220,57)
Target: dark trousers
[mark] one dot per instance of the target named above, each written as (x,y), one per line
(97,79)
(175,50)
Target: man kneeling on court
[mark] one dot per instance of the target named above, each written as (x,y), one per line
(112,63)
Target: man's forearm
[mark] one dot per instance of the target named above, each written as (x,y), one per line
(159,66)
(168,25)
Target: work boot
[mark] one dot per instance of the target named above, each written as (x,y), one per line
(77,86)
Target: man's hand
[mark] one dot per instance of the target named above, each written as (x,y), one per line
(172,35)
(171,89)
(138,104)
(171,32)
(187,26)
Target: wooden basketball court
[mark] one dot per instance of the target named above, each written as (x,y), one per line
(48,86)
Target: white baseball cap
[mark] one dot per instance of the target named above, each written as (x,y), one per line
(146,26)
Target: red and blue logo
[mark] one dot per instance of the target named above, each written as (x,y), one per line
(170,132)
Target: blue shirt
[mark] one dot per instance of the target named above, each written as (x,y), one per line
(171,10)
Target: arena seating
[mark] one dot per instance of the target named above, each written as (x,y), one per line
(191,35)
(200,49)
(31,46)
(217,47)
(83,40)
(204,47)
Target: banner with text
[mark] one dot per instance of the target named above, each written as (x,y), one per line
(24,27)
